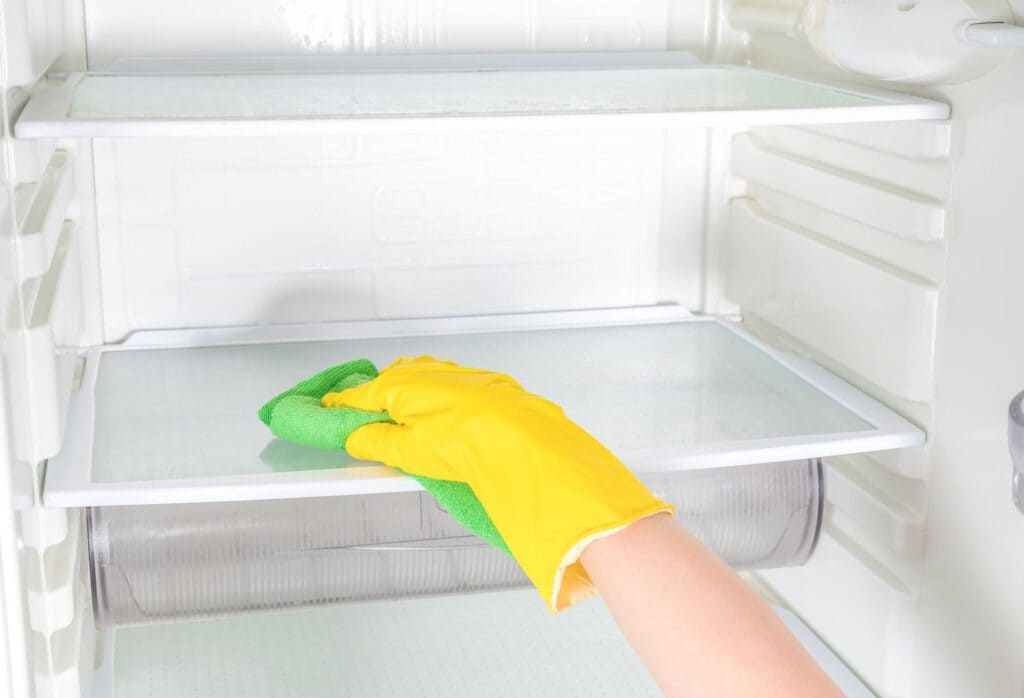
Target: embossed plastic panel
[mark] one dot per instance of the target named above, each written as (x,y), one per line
(118,28)
(210,232)
(473,645)
(170,417)
(359,94)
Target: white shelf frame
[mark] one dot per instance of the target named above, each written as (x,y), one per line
(68,477)
(47,113)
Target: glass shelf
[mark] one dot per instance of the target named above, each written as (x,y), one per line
(451,646)
(171,416)
(356,94)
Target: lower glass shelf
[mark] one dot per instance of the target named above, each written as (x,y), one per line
(170,417)
(499,643)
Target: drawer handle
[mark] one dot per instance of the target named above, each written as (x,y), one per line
(1015,436)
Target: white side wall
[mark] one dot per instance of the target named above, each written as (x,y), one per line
(914,238)
(15,641)
(46,621)
(970,640)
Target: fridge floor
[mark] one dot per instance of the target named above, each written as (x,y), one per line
(485,644)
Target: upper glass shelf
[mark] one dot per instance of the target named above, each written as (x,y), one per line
(359,94)
(171,416)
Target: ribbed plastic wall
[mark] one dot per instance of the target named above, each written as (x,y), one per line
(160,563)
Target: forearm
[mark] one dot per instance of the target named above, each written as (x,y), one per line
(699,628)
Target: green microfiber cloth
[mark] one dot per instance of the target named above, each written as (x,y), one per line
(296,415)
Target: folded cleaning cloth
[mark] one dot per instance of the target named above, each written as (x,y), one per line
(296,415)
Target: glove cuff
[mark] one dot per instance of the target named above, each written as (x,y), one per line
(572,583)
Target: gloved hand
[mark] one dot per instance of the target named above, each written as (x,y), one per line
(549,487)
(296,415)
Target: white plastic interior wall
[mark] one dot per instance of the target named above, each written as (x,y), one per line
(825,238)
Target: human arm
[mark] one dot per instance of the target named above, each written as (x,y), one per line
(575,518)
(700,630)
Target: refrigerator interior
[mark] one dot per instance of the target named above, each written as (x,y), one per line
(868,245)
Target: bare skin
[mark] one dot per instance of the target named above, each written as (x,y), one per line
(698,627)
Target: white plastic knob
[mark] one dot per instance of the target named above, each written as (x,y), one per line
(994,34)
(905,40)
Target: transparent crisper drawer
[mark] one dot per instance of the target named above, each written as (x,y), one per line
(163,562)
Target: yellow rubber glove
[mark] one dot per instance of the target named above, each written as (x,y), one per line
(549,487)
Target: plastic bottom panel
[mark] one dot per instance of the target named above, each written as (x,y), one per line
(166,562)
